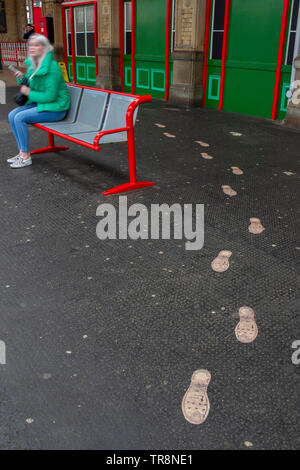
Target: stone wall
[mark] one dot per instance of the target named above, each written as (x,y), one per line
(15,20)
(108,50)
(293,112)
(53,9)
(188,55)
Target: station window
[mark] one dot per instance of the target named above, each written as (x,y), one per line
(90,31)
(173,26)
(292,33)
(127,28)
(217,30)
(84,31)
(68,32)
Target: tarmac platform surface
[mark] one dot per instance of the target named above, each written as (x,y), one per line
(102,336)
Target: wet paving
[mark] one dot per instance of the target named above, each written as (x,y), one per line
(104,338)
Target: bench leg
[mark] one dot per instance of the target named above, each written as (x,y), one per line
(51,147)
(133,183)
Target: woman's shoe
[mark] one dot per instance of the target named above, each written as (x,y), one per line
(21,163)
(13,159)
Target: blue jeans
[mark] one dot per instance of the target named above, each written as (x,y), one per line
(28,114)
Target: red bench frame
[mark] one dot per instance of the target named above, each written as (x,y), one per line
(133,183)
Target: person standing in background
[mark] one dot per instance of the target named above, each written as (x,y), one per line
(29,30)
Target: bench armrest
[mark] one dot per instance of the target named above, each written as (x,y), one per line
(112,131)
(129,118)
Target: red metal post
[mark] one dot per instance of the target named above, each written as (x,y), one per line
(224,52)
(64,36)
(121,6)
(133,183)
(50,139)
(279,58)
(51,147)
(167,52)
(73,43)
(132,46)
(96,37)
(206,48)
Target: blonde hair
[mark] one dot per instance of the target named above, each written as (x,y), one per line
(47,48)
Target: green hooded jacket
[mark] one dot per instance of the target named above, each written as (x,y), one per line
(47,86)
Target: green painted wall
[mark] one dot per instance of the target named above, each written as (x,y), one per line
(253,41)
(85,70)
(149,50)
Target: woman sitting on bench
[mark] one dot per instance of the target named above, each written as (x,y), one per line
(48,96)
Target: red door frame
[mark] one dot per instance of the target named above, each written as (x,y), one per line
(285,14)
(71,5)
(167,53)
(224,52)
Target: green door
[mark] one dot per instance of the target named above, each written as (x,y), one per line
(84,39)
(253,42)
(150,46)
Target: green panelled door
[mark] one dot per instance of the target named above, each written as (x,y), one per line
(150,43)
(253,42)
(84,45)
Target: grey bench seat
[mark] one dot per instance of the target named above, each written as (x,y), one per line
(90,116)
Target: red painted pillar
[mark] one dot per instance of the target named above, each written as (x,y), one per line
(132,46)
(224,52)
(167,52)
(280,57)
(39,21)
(206,48)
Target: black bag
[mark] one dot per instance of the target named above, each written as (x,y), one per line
(19,98)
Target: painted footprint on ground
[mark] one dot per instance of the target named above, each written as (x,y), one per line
(246,330)
(236,134)
(236,170)
(171,136)
(159,125)
(203,144)
(228,190)
(195,404)
(256,226)
(221,263)
(206,156)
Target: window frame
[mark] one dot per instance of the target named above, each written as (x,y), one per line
(125,3)
(214,30)
(289,33)
(173,26)
(85,32)
(68,11)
